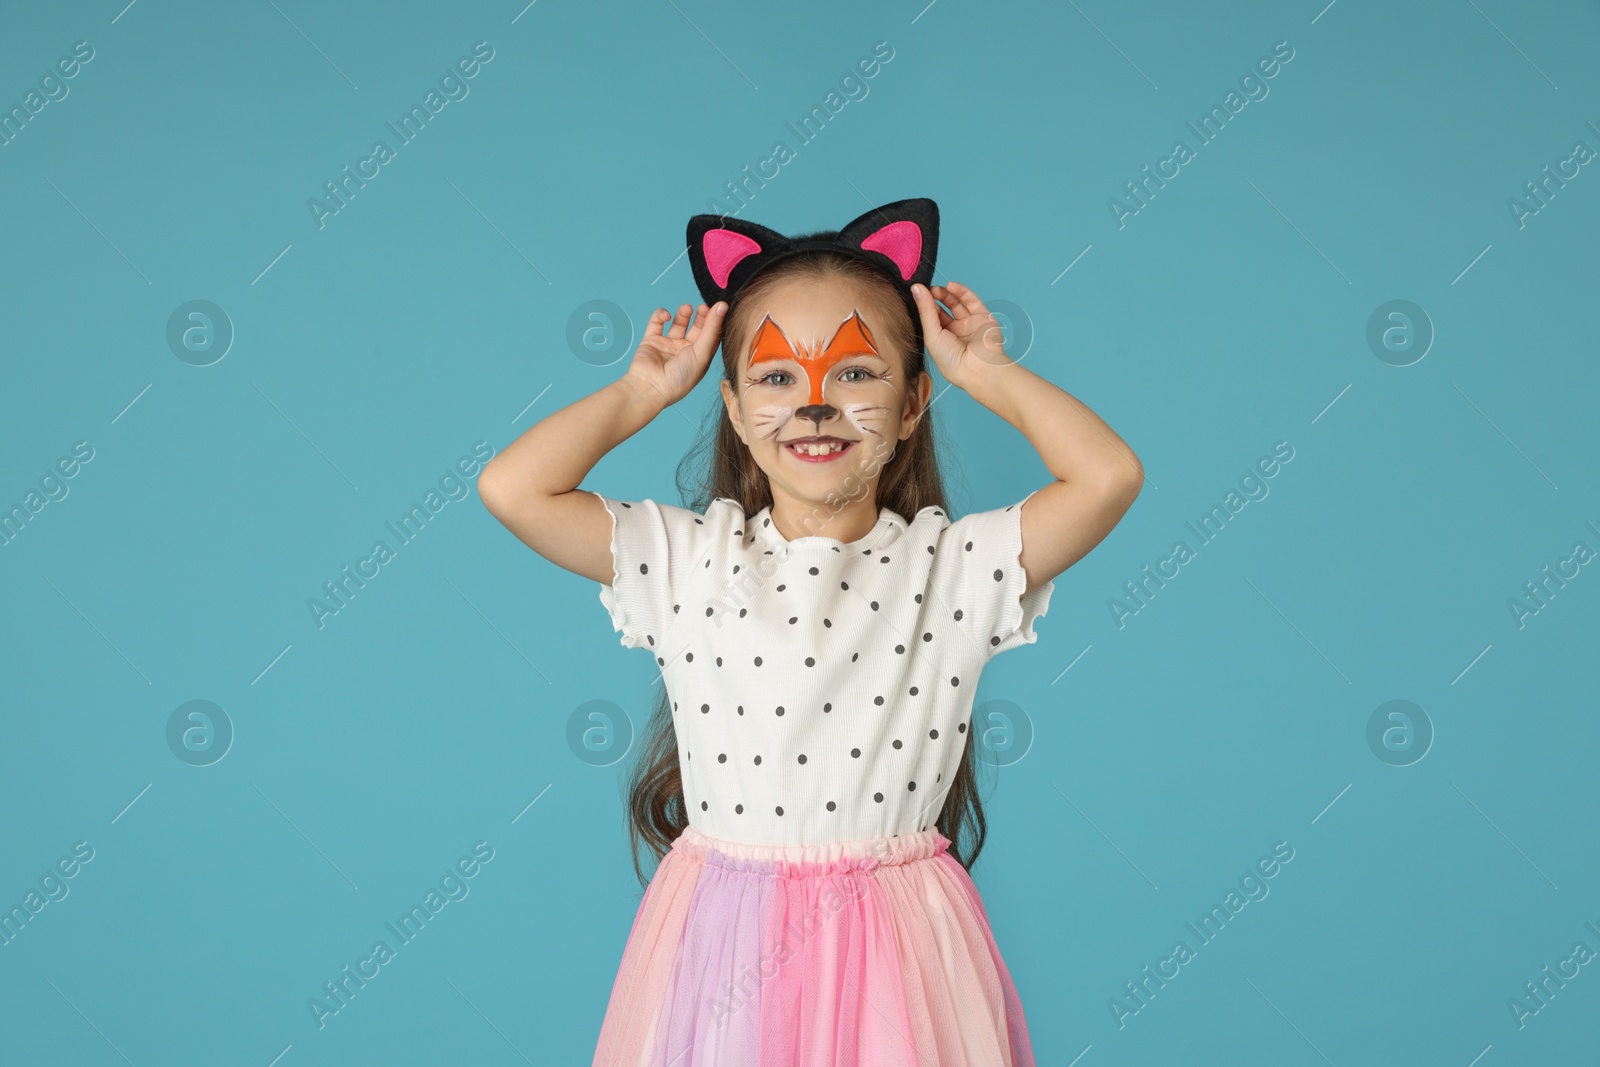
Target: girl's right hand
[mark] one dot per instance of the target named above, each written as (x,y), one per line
(671,362)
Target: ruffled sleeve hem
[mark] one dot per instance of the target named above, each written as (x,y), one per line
(628,605)
(1019,610)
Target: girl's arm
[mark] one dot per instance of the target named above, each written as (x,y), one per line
(1097,474)
(532,485)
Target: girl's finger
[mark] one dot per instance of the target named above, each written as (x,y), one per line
(971,300)
(711,319)
(700,322)
(679,321)
(657,317)
(928,311)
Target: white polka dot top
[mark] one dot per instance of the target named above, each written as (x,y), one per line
(821,691)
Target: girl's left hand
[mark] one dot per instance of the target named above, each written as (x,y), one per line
(964,340)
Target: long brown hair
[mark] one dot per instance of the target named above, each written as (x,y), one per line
(720,465)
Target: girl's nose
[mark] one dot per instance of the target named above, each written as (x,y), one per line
(818,413)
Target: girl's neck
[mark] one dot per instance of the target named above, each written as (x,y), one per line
(794,518)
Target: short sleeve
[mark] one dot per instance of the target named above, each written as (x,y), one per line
(655,549)
(978,575)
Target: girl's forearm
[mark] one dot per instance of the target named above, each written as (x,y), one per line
(1074,443)
(555,454)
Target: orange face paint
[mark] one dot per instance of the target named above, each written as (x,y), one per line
(852,338)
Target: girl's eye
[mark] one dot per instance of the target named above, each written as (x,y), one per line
(767,378)
(865,374)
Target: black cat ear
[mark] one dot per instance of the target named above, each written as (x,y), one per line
(905,232)
(725,252)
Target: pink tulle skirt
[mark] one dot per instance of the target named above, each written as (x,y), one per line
(870,953)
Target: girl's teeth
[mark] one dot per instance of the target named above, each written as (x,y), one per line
(818,449)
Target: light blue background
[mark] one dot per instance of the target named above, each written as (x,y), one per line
(432,312)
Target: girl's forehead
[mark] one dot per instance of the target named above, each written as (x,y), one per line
(813,325)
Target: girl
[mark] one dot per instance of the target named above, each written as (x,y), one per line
(820,624)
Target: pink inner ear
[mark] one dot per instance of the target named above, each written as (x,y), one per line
(901,242)
(723,250)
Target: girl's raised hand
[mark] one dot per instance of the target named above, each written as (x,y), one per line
(966,337)
(671,360)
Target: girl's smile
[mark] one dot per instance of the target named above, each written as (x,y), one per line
(817,449)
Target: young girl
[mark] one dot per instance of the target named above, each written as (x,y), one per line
(820,624)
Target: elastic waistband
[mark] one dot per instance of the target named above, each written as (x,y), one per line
(822,858)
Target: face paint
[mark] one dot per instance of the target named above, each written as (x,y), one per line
(868,410)
(852,338)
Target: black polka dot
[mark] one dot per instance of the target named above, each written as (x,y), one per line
(831,805)
(742,612)
(934,734)
(781,588)
(844,585)
(969,546)
(827,622)
(736,568)
(911,786)
(994,640)
(688,657)
(758,661)
(810,662)
(955,681)
(913,690)
(719,661)
(708,613)
(997,574)
(704,708)
(919,598)
(827,707)
(878,701)
(927,637)
(741,709)
(901,649)
(878,797)
(959,613)
(644,568)
(885,559)
(703,805)
(722,757)
(793,619)
(855,753)
(897,742)
(802,757)
(961,728)
(758,761)
(855,657)
(874,605)
(779,810)
(813,570)
(780,709)
(738,809)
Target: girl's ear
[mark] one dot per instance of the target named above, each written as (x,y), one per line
(906,233)
(730,403)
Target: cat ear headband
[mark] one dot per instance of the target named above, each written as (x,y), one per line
(900,240)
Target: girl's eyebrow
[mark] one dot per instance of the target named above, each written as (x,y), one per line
(778,361)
